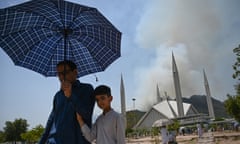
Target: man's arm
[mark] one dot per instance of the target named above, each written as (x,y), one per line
(83,100)
(49,124)
(45,134)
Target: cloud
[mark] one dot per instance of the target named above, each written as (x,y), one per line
(199,34)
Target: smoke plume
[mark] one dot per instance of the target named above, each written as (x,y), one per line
(201,34)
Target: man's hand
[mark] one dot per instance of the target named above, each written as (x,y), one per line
(67,88)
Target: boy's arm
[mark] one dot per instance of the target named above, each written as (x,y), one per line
(89,134)
(80,120)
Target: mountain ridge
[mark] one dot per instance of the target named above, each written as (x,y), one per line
(200,103)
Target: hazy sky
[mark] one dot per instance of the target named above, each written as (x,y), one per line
(201,34)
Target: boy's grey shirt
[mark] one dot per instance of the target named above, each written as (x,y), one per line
(108,129)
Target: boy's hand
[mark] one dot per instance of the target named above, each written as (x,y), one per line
(79,119)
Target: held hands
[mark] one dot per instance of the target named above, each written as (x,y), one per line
(67,88)
(79,119)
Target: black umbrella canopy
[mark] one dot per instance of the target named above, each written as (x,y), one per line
(40,33)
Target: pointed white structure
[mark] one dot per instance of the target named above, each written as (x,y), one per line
(123,103)
(167,109)
(159,98)
(166,95)
(177,88)
(171,108)
(208,96)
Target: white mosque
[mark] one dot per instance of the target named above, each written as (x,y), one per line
(173,109)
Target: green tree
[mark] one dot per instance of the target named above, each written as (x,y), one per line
(236,65)
(2,137)
(33,135)
(174,126)
(13,130)
(232,104)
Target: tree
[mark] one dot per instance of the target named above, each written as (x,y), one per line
(13,130)
(232,104)
(236,66)
(33,135)
(2,137)
(174,126)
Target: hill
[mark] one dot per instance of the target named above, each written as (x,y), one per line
(200,103)
(133,117)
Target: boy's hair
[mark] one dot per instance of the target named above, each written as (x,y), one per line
(69,63)
(102,90)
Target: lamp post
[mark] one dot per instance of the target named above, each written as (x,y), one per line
(134,114)
(133,99)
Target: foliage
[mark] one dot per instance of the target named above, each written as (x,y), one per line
(174,126)
(142,132)
(232,104)
(128,131)
(33,135)
(2,137)
(236,66)
(155,131)
(13,130)
(213,126)
(218,119)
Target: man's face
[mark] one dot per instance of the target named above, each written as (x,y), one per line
(66,74)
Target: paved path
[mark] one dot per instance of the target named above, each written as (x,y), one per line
(207,138)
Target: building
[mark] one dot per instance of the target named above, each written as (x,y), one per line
(166,109)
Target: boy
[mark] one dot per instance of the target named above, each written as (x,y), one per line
(109,126)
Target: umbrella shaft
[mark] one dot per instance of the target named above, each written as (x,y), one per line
(66,33)
(65,44)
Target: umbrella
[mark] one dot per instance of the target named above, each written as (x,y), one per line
(161,122)
(40,33)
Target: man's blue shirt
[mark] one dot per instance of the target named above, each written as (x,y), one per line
(62,125)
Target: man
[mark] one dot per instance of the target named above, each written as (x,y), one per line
(62,126)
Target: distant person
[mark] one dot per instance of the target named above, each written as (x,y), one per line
(236,125)
(164,134)
(183,131)
(199,130)
(73,97)
(109,127)
(172,137)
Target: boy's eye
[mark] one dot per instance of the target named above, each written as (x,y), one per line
(100,98)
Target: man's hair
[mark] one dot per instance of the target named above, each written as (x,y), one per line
(69,63)
(102,90)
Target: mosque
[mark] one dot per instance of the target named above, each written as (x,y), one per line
(172,109)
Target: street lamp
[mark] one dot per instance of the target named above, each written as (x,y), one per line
(134,112)
(133,99)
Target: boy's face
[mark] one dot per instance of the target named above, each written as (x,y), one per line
(104,102)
